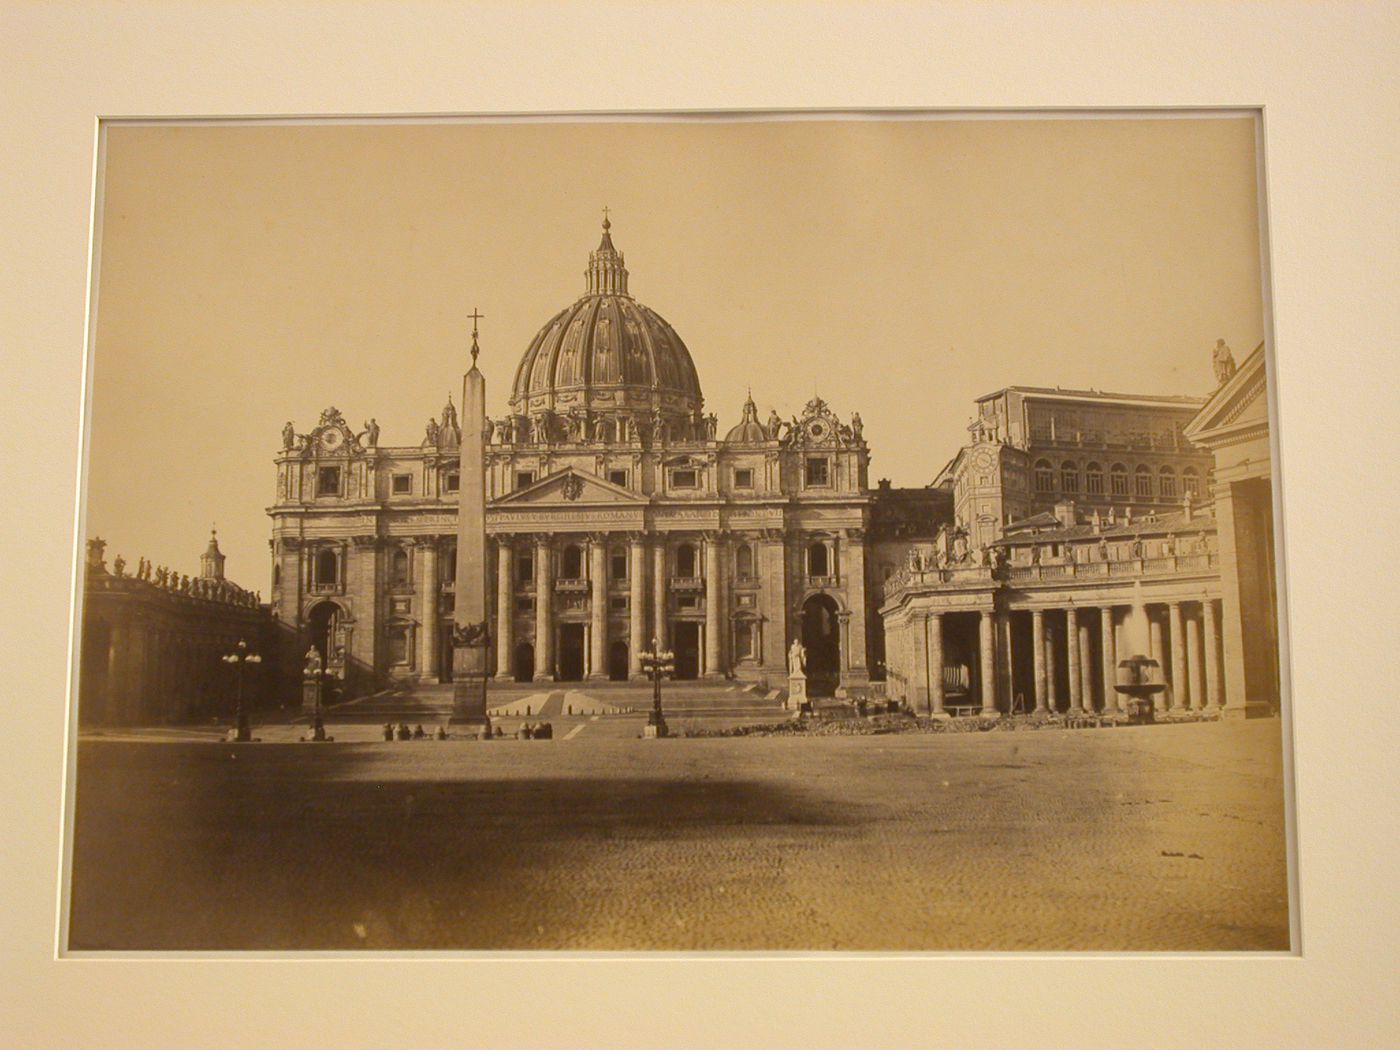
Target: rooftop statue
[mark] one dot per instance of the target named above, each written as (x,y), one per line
(1223,361)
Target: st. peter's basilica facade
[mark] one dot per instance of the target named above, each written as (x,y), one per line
(617,510)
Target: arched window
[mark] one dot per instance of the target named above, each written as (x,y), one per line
(1069,476)
(1044,476)
(1118,479)
(743,561)
(1191,481)
(327,565)
(818,560)
(686,561)
(1166,483)
(398,568)
(571,567)
(1093,479)
(1142,479)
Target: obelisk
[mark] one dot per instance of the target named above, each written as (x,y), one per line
(470,637)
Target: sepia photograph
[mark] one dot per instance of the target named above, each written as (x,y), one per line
(718,532)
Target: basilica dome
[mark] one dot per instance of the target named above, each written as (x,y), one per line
(607,354)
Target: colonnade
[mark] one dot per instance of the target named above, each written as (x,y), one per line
(1182,636)
(646,557)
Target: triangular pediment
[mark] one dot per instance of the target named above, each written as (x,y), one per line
(1241,403)
(569,486)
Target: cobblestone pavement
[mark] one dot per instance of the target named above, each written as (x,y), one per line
(1167,837)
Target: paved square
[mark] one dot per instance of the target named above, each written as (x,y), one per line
(1166,837)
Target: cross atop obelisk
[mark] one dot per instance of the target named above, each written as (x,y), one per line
(470,634)
(476,316)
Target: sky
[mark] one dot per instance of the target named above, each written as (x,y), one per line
(248,274)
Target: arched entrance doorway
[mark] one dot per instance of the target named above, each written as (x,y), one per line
(822,639)
(322,622)
(617,661)
(524,662)
(571,652)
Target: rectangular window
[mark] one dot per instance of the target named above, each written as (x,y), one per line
(743,478)
(524,569)
(818,472)
(618,478)
(403,484)
(524,478)
(619,565)
(525,604)
(328,481)
(687,601)
(1093,483)
(618,603)
(451,482)
(685,479)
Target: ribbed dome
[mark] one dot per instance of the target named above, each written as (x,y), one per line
(607,353)
(749,430)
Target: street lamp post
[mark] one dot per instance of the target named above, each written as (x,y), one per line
(657,663)
(318,728)
(242,733)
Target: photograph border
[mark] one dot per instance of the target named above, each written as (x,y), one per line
(1327,96)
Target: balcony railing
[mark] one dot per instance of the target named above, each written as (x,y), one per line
(953,577)
(571,586)
(326,588)
(822,581)
(687,584)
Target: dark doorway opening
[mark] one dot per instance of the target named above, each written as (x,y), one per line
(687,650)
(617,661)
(822,639)
(322,621)
(524,662)
(571,652)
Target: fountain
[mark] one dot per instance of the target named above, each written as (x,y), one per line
(1135,681)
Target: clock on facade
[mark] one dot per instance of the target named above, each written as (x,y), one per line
(331,439)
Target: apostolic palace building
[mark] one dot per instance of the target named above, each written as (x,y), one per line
(1073,529)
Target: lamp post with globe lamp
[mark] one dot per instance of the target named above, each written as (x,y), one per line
(242,732)
(657,663)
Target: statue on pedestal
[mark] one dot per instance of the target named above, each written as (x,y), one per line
(797,659)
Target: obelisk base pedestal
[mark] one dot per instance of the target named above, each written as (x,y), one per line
(469,690)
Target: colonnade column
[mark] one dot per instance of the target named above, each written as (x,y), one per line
(1110,659)
(658,591)
(987,651)
(1193,663)
(1052,689)
(1004,665)
(428,607)
(1076,683)
(713,628)
(1212,655)
(919,674)
(544,609)
(935,663)
(505,609)
(598,606)
(1038,657)
(1180,688)
(1086,664)
(1154,635)
(636,604)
